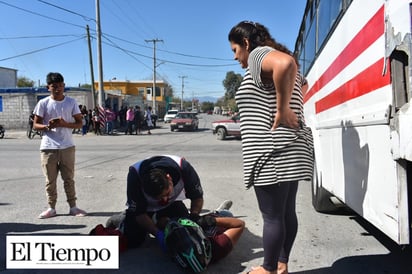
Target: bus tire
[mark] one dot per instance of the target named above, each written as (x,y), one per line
(321,198)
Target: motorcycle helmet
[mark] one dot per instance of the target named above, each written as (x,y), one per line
(187,245)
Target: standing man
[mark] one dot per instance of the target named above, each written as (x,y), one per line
(130,120)
(57,115)
(138,117)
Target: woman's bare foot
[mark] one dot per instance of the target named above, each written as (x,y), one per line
(282,268)
(260,270)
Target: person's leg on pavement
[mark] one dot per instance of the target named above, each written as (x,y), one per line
(67,162)
(272,203)
(49,164)
(291,223)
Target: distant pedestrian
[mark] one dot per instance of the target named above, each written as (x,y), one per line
(89,120)
(148,119)
(110,118)
(96,121)
(57,115)
(138,119)
(84,124)
(130,120)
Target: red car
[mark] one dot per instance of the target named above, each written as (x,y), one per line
(185,120)
(227,127)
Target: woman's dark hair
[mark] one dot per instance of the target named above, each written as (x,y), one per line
(54,77)
(155,182)
(257,35)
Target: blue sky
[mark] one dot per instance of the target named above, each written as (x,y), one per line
(39,36)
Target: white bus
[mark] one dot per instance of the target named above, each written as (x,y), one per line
(356,56)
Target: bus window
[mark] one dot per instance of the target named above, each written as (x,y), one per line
(328,12)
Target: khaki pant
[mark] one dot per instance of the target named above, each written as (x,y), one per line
(53,161)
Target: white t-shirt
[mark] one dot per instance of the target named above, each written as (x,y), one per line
(61,137)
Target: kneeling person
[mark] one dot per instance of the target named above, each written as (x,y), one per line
(157,186)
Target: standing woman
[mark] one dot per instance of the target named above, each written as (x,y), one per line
(148,118)
(277,147)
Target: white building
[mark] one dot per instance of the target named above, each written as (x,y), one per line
(8,78)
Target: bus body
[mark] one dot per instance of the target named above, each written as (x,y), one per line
(356,56)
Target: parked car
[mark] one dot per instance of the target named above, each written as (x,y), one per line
(185,120)
(170,114)
(227,127)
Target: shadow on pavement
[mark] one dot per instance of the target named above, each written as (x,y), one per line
(392,263)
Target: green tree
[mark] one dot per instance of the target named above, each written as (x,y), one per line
(220,102)
(205,106)
(231,84)
(168,90)
(24,82)
(231,103)
(86,86)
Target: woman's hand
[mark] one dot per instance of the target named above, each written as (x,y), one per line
(287,118)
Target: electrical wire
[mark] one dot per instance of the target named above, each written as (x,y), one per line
(86,18)
(42,49)
(39,14)
(38,36)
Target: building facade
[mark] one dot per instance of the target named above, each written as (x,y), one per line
(121,93)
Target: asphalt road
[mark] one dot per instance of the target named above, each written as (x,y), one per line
(326,244)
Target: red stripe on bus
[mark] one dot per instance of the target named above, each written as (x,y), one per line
(363,83)
(373,29)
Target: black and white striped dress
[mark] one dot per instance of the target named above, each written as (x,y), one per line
(270,157)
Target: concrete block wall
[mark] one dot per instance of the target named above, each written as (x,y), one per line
(16,110)
(17,107)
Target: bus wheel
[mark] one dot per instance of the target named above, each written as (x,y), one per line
(321,198)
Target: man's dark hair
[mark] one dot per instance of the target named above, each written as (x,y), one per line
(54,77)
(155,182)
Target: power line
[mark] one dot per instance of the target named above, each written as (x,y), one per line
(129,53)
(69,11)
(124,40)
(166,60)
(111,43)
(38,36)
(39,14)
(42,49)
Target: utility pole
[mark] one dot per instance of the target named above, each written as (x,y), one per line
(91,67)
(99,55)
(154,41)
(181,102)
(193,100)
